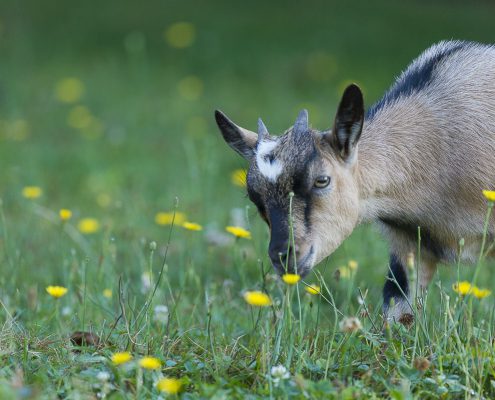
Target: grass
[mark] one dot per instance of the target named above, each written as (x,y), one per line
(145,142)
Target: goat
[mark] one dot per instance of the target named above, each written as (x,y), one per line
(419,157)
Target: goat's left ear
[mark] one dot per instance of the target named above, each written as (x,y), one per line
(348,123)
(240,139)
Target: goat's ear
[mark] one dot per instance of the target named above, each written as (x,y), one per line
(240,139)
(348,123)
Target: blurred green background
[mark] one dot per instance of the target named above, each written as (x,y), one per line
(108,107)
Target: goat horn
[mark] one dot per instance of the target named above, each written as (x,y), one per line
(262,131)
(301,124)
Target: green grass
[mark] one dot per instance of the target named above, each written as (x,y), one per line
(157,150)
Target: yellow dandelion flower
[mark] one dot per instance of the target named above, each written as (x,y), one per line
(69,90)
(190,87)
(56,291)
(239,232)
(169,385)
(121,358)
(481,293)
(345,272)
(88,226)
(462,288)
(192,226)
(258,299)
(238,177)
(65,214)
(166,218)
(352,264)
(313,289)
(107,293)
(31,192)
(150,363)
(180,35)
(489,195)
(80,117)
(291,279)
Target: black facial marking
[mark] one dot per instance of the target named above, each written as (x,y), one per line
(415,78)
(255,197)
(410,229)
(302,181)
(396,285)
(308,205)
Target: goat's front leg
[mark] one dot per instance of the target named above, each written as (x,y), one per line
(397,293)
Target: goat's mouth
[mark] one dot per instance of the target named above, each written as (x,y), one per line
(303,265)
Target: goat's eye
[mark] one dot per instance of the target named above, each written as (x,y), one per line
(322,182)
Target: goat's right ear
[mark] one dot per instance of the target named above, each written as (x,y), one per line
(240,139)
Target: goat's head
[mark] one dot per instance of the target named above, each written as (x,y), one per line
(303,182)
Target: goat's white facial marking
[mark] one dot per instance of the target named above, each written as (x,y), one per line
(268,166)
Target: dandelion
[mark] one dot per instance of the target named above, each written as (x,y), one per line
(66,311)
(79,117)
(107,293)
(88,226)
(345,272)
(350,324)
(150,363)
(192,226)
(103,376)
(258,299)
(121,358)
(31,192)
(353,265)
(180,35)
(146,281)
(481,293)
(291,279)
(489,195)
(166,218)
(313,289)
(65,214)
(239,232)
(463,288)
(169,385)
(161,313)
(56,291)
(238,177)
(69,90)
(278,374)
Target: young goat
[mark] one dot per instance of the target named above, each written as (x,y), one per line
(420,157)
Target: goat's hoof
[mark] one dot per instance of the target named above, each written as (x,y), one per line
(406,319)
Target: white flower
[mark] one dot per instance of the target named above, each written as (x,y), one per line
(103,376)
(161,313)
(66,311)
(350,324)
(279,373)
(145,282)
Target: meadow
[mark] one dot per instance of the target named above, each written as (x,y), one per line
(119,279)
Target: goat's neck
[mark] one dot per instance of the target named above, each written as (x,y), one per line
(392,152)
